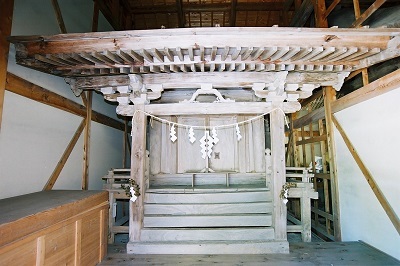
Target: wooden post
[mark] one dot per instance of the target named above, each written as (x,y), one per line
(59,17)
(6,15)
(320,10)
(278,170)
(138,163)
(124,144)
(329,96)
(60,165)
(86,142)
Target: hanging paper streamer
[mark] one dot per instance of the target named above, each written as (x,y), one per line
(214,135)
(206,144)
(172,133)
(191,135)
(239,136)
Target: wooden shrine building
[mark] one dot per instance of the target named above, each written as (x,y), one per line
(213,115)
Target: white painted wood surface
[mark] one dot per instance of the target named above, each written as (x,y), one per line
(178,221)
(207,209)
(222,234)
(256,196)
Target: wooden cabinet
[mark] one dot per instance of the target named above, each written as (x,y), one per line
(54,228)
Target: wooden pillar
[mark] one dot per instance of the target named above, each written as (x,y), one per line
(329,96)
(6,15)
(278,170)
(320,10)
(86,141)
(138,165)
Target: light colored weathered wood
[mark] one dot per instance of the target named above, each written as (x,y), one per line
(278,172)
(60,165)
(6,16)
(209,108)
(27,89)
(209,198)
(329,97)
(40,251)
(207,209)
(370,179)
(78,241)
(206,221)
(209,247)
(311,140)
(86,142)
(138,164)
(221,234)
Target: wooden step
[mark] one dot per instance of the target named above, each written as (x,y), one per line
(206,179)
(225,234)
(221,197)
(206,189)
(204,209)
(163,221)
(208,247)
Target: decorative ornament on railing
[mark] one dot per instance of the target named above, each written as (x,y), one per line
(285,191)
(131,190)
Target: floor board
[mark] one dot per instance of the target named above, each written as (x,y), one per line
(314,253)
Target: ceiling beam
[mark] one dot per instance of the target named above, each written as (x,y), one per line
(378,87)
(34,92)
(212,7)
(359,21)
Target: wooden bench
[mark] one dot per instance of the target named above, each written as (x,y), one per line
(55,227)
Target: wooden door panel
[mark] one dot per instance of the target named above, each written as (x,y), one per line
(224,156)
(189,154)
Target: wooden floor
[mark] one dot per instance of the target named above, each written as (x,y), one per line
(314,253)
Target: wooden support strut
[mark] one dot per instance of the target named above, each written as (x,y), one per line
(370,179)
(380,86)
(34,92)
(6,15)
(60,165)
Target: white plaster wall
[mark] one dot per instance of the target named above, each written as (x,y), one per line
(33,135)
(373,128)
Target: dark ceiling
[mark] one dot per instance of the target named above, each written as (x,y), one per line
(155,14)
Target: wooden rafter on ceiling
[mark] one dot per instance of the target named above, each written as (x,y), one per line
(206,50)
(302,15)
